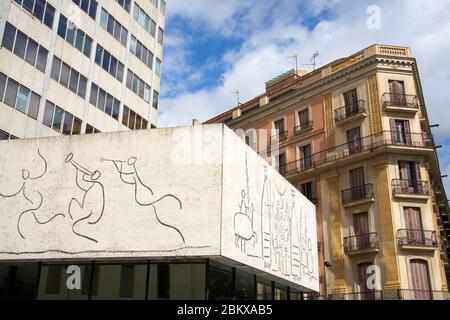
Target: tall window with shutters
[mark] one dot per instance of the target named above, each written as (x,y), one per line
(397,92)
(414,226)
(354,141)
(361,229)
(410,176)
(420,278)
(400,132)
(305,157)
(351,102)
(366,293)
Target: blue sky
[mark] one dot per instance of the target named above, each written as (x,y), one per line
(214,47)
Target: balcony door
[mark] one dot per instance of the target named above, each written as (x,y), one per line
(282,163)
(303,118)
(307,189)
(401,132)
(351,102)
(397,92)
(420,279)
(414,227)
(409,176)
(279,127)
(357,184)
(363,276)
(354,142)
(361,229)
(305,155)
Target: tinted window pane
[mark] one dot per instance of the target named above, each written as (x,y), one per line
(89,128)
(42,59)
(98,55)
(82,86)
(18,281)
(33,107)
(67,127)
(56,68)
(28,5)
(73,84)
(20,45)
(101,99)
(70,37)
(87,46)
(49,16)
(48,114)
(31,54)
(57,119)
(3,136)
(120,72)
(62,26)
(125,115)
(109,104)
(93,9)
(144,124)
(11,93)
(39,9)
(2,85)
(9,36)
(65,71)
(22,99)
(106,60)
(80,40)
(94,93)
(104,19)
(132,121)
(116,109)
(76,126)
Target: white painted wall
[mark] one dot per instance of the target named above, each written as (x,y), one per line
(200,173)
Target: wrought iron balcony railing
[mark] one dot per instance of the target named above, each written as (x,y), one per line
(400,100)
(281,135)
(364,295)
(349,111)
(410,187)
(417,238)
(358,146)
(303,126)
(359,193)
(411,294)
(361,242)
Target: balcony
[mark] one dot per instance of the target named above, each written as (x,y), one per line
(365,295)
(400,102)
(304,127)
(364,147)
(410,294)
(281,135)
(358,195)
(349,113)
(416,189)
(363,243)
(417,239)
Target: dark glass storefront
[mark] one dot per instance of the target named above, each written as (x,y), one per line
(192,280)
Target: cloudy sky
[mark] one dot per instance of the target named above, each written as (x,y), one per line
(214,47)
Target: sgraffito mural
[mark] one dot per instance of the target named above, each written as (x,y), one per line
(274,225)
(82,197)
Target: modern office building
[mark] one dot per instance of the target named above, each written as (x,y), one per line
(80,66)
(195,214)
(355,138)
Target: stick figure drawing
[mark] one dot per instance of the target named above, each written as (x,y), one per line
(144,195)
(35,198)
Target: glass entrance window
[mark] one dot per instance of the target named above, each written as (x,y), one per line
(245,286)
(220,281)
(18,281)
(263,289)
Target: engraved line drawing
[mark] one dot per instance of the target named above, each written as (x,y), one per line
(143,194)
(26,176)
(86,181)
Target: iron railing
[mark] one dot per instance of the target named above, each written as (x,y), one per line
(358,193)
(417,238)
(364,295)
(361,242)
(411,294)
(349,111)
(400,100)
(303,126)
(410,187)
(359,146)
(281,135)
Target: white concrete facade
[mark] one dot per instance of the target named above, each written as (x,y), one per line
(165,193)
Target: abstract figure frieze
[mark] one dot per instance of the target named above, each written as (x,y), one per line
(90,208)
(143,194)
(33,199)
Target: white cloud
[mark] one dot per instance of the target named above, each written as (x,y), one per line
(422,25)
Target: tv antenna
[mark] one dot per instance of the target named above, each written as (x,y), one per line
(295,57)
(313,60)
(236,93)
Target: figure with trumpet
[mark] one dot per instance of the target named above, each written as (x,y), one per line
(144,195)
(88,211)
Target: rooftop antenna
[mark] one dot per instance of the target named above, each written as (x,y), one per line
(236,93)
(295,57)
(313,60)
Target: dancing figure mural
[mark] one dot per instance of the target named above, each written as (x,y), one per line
(143,194)
(88,211)
(34,198)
